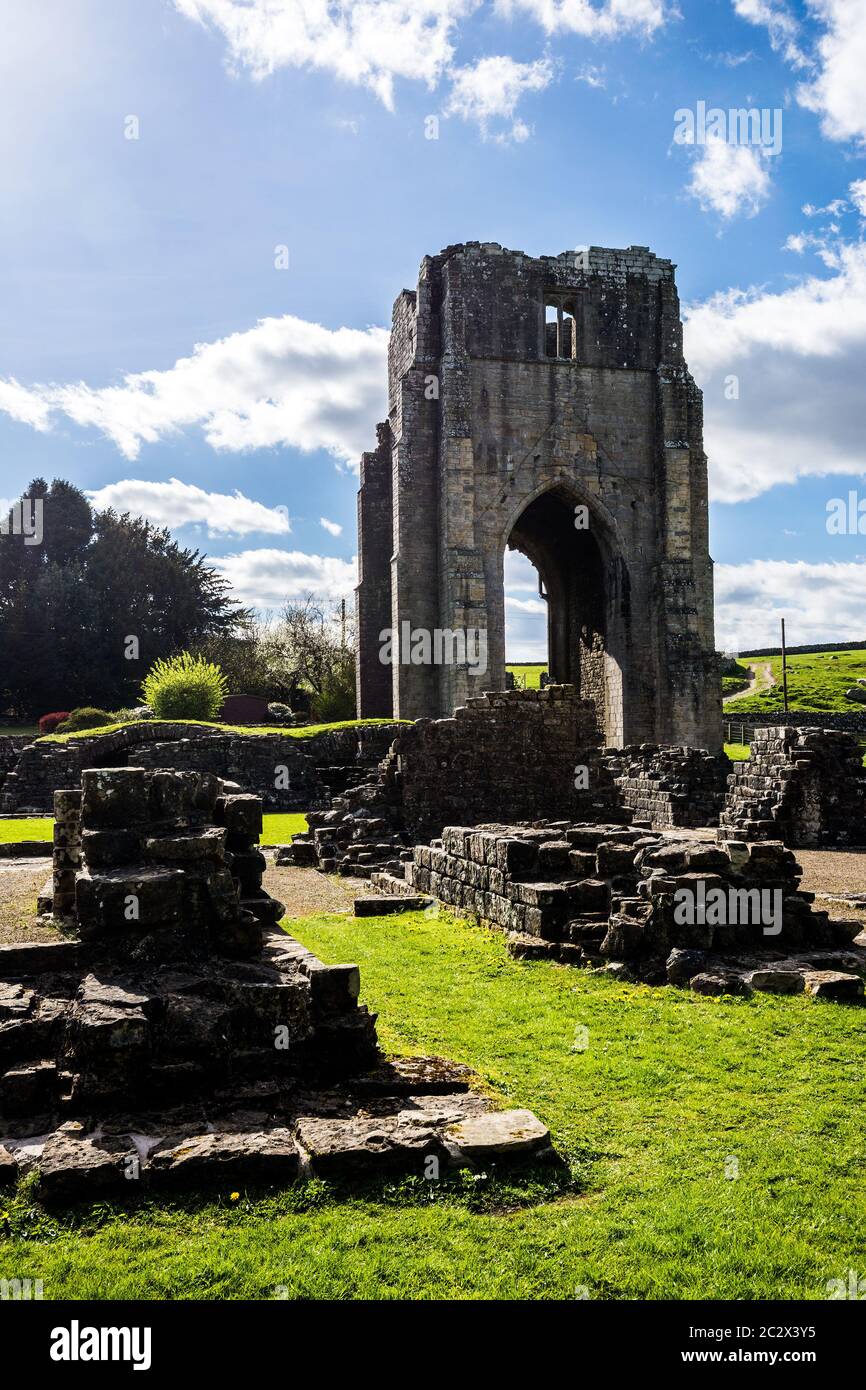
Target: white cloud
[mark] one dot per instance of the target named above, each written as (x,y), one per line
(174,504)
(834,90)
(782,27)
(24,405)
(491,89)
(819,602)
(373,42)
(593,76)
(800,360)
(833,209)
(730,179)
(798,243)
(857,190)
(838,92)
(606,21)
(284,382)
(364,42)
(269,578)
(332,527)
(526,605)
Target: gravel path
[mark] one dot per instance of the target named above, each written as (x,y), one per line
(834,875)
(306,892)
(762,679)
(20,882)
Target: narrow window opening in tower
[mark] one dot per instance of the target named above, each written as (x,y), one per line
(526,649)
(559,336)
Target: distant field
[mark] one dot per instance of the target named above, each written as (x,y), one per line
(527,677)
(738,752)
(26,828)
(816,681)
(279,828)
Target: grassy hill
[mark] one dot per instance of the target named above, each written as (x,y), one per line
(816,681)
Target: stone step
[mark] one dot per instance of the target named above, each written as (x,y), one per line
(389,906)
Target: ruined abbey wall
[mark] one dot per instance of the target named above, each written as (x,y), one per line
(520,389)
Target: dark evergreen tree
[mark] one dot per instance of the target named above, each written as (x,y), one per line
(84,614)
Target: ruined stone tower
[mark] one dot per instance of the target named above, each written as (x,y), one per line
(542,405)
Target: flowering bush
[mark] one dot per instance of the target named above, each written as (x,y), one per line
(185,687)
(48,723)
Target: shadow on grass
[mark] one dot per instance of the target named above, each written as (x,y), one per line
(493,1190)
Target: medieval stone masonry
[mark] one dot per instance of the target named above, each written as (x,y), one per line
(543,405)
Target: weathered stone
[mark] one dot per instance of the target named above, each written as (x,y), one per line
(264,1156)
(72,1167)
(8,1168)
(499,1134)
(806,787)
(682,966)
(113,797)
(361,1144)
(833,984)
(777,981)
(718,982)
(505,450)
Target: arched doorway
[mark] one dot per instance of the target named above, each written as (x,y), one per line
(585,589)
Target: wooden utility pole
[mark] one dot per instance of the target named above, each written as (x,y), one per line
(343,623)
(784,670)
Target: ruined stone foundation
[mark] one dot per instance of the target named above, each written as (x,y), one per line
(804,786)
(167,1032)
(605,897)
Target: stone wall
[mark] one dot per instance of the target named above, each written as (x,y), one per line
(851,722)
(530,753)
(173,1036)
(804,786)
(10,752)
(497,432)
(594,895)
(671,786)
(289,774)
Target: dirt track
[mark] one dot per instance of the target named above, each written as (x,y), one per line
(762,679)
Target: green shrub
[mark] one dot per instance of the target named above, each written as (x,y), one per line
(336,699)
(87,717)
(185,687)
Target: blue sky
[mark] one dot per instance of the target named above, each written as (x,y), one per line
(266,125)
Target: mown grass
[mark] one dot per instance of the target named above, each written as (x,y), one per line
(738,752)
(278,829)
(26,828)
(717,1151)
(816,681)
(527,677)
(303,731)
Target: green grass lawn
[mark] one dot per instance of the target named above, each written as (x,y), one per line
(304,731)
(281,829)
(673,1095)
(278,829)
(26,828)
(738,752)
(816,681)
(527,677)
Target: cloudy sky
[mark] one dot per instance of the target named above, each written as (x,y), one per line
(209,207)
